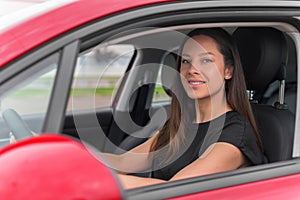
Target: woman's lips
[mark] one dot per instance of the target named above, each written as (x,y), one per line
(196,83)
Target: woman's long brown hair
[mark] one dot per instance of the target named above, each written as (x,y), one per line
(235,88)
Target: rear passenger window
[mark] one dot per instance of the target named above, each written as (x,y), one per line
(97,76)
(160,93)
(166,75)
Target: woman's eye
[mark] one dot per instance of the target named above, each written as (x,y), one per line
(185,61)
(206,60)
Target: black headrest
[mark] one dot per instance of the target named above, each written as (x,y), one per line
(168,71)
(263,52)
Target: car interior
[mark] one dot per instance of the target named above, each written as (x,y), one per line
(268,56)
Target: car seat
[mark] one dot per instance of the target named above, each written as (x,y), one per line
(158,116)
(263,56)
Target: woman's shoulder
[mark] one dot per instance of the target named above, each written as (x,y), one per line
(239,132)
(235,116)
(236,130)
(236,127)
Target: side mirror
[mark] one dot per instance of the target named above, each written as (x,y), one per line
(54,167)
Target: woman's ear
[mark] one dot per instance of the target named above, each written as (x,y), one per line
(228,72)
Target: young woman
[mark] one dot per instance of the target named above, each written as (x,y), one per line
(211,127)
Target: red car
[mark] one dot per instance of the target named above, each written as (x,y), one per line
(79,76)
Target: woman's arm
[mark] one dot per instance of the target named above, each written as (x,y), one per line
(219,157)
(129,181)
(136,160)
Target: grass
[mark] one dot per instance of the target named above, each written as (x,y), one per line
(76,92)
(105,91)
(159,90)
(31,92)
(86,91)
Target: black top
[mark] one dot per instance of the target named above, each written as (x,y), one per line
(230,127)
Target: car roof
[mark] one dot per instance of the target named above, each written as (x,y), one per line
(30,27)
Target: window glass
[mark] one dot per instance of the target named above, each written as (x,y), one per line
(165,78)
(97,76)
(28,94)
(159,91)
(32,96)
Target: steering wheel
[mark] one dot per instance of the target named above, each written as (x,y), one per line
(16,124)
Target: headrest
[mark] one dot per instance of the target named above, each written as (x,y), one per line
(168,71)
(263,52)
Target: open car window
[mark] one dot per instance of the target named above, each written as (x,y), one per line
(144,95)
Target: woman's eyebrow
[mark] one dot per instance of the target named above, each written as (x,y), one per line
(201,54)
(186,55)
(206,53)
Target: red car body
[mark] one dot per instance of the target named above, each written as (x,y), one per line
(43,175)
(29,34)
(20,180)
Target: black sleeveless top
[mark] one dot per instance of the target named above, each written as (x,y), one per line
(230,127)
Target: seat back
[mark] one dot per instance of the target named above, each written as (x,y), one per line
(277,131)
(263,55)
(159,115)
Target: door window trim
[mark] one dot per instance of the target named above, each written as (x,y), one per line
(216,181)
(60,94)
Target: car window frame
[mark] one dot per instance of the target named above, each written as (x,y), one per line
(61,89)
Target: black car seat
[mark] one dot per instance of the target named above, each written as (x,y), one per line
(263,56)
(158,116)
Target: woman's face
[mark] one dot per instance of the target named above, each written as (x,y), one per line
(202,68)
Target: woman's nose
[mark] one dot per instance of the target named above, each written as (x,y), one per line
(193,69)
